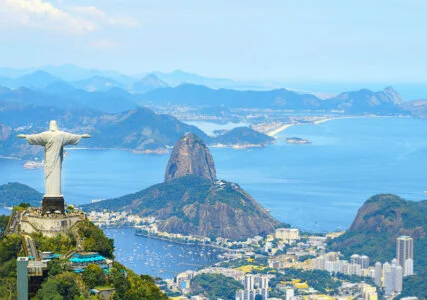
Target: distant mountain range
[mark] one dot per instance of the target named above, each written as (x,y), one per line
(68,72)
(105,94)
(363,101)
(146,84)
(138,129)
(179,77)
(109,108)
(72,73)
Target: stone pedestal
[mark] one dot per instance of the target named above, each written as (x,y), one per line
(49,225)
(52,204)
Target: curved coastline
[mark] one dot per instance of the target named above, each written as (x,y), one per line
(327,119)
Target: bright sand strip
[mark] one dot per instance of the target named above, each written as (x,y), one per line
(280,129)
(356,117)
(337,118)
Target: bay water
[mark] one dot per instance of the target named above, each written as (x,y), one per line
(317,187)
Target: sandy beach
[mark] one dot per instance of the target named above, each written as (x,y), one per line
(356,117)
(280,129)
(284,127)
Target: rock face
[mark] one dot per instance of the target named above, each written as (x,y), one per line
(192,201)
(380,220)
(386,101)
(190,156)
(195,205)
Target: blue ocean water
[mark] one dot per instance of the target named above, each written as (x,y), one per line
(316,187)
(158,258)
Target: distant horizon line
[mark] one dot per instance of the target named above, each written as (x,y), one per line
(142,74)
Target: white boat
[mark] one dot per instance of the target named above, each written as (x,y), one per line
(31,164)
(425,192)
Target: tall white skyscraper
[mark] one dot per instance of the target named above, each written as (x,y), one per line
(398,279)
(355,259)
(248,282)
(364,261)
(262,282)
(393,273)
(409,267)
(378,273)
(388,280)
(253,285)
(405,251)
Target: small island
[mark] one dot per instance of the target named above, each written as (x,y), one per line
(296,140)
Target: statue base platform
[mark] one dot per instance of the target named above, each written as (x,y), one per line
(52,205)
(51,224)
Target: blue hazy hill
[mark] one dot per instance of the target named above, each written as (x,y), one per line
(96,83)
(363,101)
(148,83)
(68,72)
(37,79)
(190,94)
(59,87)
(178,77)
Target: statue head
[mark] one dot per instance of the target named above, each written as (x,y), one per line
(53,126)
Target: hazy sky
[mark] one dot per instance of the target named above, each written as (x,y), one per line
(325,40)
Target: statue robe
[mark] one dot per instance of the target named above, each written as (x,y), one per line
(53,142)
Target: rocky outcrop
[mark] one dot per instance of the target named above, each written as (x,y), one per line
(195,205)
(244,136)
(380,220)
(224,211)
(382,102)
(190,156)
(192,201)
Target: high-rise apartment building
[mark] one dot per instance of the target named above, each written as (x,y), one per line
(388,280)
(405,252)
(398,279)
(364,262)
(378,273)
(253,285)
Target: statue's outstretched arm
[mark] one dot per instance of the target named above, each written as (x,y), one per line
(73,139)
(34,139)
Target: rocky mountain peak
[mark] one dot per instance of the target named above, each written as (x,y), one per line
(393,96)
(190,156)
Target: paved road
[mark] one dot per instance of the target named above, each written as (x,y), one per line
(31,247)
(13,223)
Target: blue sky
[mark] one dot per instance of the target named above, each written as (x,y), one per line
(300,40)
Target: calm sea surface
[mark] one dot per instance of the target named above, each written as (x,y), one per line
(316,187)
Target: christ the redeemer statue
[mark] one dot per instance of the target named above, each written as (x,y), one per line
(53,141)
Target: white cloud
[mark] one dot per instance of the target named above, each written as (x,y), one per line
(43,15)
(102,17)
(90,11)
